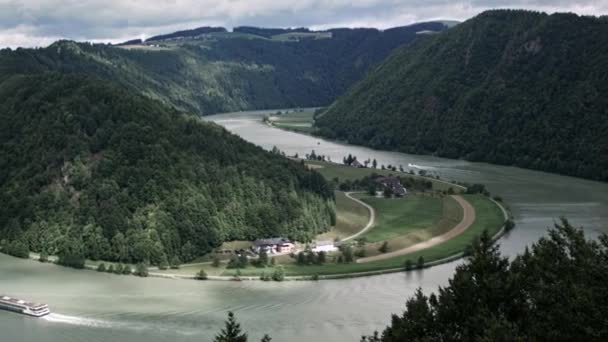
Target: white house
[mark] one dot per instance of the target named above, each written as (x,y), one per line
(324,246)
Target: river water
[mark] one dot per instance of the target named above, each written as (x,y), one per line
(88,306)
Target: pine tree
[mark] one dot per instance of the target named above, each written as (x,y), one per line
(231,332)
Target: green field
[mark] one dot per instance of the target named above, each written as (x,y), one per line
(343,172)
(296,36)
(488,216)
(351,218)
(300,122)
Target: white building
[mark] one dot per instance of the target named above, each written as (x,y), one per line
(324,246)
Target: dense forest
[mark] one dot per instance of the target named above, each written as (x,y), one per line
(88,169)
(507,87)
(226,71)
(555,291)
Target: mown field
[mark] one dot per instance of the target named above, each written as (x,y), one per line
(343,172)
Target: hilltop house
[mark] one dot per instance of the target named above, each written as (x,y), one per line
(394,184)
(274,245)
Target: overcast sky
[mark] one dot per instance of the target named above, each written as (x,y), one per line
(40,22)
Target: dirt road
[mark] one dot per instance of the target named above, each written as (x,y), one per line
(468,218)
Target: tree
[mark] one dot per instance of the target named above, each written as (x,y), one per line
(231,332)
(526,298)
(408,265)
(44,257)
(262,258)
(141,270)
(216,261)
(388,192)
(18,249)
(321,257)
(420,262)
(301,258)
(371,189)
(278,274)
(374,164)
(175,262)
(347,254)
(243,260)
(164,264)
(201,275)
(101,267)
(384,247)
(126,269)
(509,225)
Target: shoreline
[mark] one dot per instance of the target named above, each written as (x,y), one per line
(175,276)
(152,271)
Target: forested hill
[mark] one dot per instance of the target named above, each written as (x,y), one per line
(89,170)
(209,70)
(508,87)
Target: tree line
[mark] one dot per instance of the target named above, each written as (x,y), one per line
(507,87)
(89,170)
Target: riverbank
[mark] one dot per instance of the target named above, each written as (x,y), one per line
(416,241)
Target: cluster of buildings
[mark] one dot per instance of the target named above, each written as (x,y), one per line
(394,184)
(285,246)
(274,246)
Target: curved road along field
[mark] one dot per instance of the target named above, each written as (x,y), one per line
(372,217)
(468,218)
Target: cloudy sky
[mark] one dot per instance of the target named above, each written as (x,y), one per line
(40,22)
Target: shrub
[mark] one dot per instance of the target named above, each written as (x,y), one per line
(278,274)
(141,270)
(420,263)
(201,275)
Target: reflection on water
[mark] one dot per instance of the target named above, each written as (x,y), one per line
(89,306)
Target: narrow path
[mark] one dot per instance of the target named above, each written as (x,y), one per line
(468,218)
(370,223)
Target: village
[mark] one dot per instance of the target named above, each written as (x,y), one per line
(388,186)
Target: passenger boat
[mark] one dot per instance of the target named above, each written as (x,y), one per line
(23,307)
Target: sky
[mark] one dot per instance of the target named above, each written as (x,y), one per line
(30,23)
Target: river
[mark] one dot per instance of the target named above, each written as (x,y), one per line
(88,306)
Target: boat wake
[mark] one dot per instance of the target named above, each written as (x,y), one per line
(421,167)
(74,320)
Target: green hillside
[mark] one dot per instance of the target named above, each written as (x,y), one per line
(90,170)
(507,87)
(209,70)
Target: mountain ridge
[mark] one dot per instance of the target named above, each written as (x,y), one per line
(508,87)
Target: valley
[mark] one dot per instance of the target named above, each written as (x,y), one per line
(352,169)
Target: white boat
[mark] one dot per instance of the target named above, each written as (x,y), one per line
(23,307)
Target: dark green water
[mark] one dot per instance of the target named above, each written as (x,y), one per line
(89,306)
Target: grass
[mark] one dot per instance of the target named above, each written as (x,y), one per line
(488,216)
(407,221)
(399,216)
(351,218)
(343,172)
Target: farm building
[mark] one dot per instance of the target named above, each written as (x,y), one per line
(274,245)
(324,246)
(394,184)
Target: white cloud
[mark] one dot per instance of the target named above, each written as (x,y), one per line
(39,22)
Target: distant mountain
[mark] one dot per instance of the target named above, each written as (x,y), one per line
(267,32)
(88,169)
(209,70)
(508,87)
(186,33)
